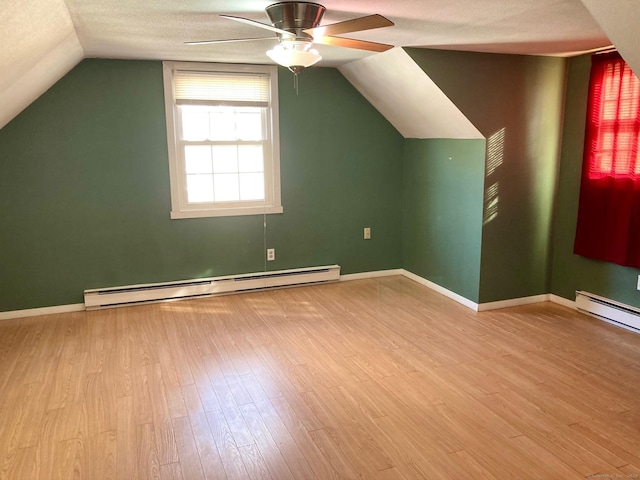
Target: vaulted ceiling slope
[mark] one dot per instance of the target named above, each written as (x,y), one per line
(405,95)
(43,39)
(39,46)
(620,20)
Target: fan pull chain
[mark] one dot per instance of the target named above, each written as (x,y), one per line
(295,82)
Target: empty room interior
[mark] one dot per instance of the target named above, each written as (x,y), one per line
(356,240)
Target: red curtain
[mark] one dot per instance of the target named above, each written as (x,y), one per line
(609,211)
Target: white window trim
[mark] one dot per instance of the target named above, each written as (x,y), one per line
(179,206)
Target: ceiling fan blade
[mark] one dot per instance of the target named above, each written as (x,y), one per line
(356,25)
(258,24)
(351,43)
(230,40)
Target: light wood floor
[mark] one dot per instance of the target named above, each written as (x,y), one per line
(375,379)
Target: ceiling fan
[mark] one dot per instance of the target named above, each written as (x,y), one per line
(298,27)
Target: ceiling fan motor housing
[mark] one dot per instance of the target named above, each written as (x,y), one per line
(295,17)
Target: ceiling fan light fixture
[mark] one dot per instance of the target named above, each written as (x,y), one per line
(294,55)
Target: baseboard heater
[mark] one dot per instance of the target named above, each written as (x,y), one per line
(608,310)
(135,294)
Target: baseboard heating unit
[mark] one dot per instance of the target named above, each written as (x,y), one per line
(135,294)
(610,311)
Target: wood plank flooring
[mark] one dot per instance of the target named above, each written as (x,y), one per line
(374,379)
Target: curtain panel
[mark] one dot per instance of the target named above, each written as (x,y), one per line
(608,226)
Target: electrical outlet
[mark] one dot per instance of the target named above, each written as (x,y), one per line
(271,254)
(367,233)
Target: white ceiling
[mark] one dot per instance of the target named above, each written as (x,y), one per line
(156,29)
(38,45)
(45,38)
(620,20)
(405,95)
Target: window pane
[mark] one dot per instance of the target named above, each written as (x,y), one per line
(223,124)
(197,159)
(199,188)
(250,158)
(226,187)
(629,96)
(249,124)
(225,159)
(251,186)
(195,122)
(602,162)
(625,156)
(605,138)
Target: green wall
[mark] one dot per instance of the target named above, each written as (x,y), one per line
(571,272)
(84,189)
(516,103)
(442,212)
(341,167)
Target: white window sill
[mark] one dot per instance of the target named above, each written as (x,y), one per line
(226,212)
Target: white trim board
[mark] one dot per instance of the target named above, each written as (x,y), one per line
(372,274)
(483,307)
(441,290)
(446,292)
(565,302)
(78,307)
(513,302)
(34,312)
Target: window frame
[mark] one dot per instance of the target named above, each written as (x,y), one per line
(612,82)
(180,207)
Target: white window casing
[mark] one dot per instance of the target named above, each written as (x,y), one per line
(223,139)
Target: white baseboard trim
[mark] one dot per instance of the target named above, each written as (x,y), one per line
(441,290)
(513,302)
(562,301)
(482,307)
(79,307)
(373,274)
(33,312)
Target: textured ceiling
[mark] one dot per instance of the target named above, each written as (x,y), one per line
(38,45)
(43,39)
(157,28)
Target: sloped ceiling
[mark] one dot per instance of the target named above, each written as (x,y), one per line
(43,39)
(401,91)
(39,46)
(620,21)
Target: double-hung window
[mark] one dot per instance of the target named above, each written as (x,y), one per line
(222,129)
